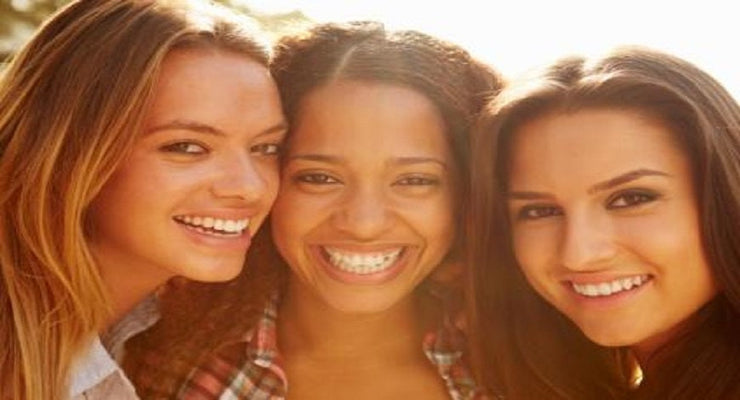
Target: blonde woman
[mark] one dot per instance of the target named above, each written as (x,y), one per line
(138,142)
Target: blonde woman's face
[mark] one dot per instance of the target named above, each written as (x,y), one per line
(605,224)
(200,179)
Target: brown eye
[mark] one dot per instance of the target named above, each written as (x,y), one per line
(630,198)
(315,178)
(536,211)
(184,148)
(417,180)
(266,149)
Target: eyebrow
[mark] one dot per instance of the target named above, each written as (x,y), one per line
(624,178)
(396,161)
(199,127)
(601,186)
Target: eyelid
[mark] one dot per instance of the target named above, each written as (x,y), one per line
(328,179)
(275,148)
(176,147)
(420,180)
(646,196)
(521,212)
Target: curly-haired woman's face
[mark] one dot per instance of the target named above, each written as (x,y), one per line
(605,224)
(365,210)
(201,176)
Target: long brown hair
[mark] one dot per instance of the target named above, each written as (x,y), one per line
(527,348)
(71,103)
(197,318)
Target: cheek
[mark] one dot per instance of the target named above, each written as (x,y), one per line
(270,175)
(535,249)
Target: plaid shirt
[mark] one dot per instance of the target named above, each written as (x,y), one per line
(228,375)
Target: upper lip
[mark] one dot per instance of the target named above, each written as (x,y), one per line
(595,279)
(234,214)
(363,248)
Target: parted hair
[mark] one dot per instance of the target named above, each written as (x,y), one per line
(453,80)
(527,349)
(71,103)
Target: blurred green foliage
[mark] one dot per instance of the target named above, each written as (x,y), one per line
(20,18)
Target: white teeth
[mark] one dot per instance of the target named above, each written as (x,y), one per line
(362,263)
(214,225)
(609,288)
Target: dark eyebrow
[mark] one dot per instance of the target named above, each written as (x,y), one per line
(624,178)
(528,195)
(194,126)
(315,157)
(608,184)
(336,159)
(418,160)
(186,125)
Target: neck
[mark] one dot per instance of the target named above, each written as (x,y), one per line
(311,329)
(127,285)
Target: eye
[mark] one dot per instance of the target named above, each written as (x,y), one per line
(631,198)
(417,180)
(316,178)
(184,148)
(538,211)
(266,149)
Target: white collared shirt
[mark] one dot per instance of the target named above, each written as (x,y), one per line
(97,374)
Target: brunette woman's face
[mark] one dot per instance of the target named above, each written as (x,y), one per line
(201,176)
(365,209)
(605,224)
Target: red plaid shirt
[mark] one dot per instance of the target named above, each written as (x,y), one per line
(229,375)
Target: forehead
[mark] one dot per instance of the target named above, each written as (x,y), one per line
(592,144)
(367,117)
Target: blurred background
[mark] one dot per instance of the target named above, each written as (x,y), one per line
(512,35)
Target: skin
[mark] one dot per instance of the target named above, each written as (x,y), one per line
(361,178)
(602,195)
(208,149)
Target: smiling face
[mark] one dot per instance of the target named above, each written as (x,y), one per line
(605,224)
(200,178)
(364,212)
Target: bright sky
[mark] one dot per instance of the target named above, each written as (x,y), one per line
(514,35)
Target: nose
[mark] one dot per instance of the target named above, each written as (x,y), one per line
(239,177)
(364,213)
(588,242)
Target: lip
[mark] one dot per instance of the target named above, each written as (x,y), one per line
(235,243)
(605,301)
(319,255)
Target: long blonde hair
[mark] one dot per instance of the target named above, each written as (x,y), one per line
(71,104)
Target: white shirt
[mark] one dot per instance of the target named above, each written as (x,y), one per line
(97,374)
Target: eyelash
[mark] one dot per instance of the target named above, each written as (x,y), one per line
(417,180)
(316,178)
(185,148)
(526,212)
(631,198)
(267,149)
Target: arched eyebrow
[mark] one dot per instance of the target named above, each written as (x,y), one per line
(338,160)
(598,187)
(625,178)
(199,127)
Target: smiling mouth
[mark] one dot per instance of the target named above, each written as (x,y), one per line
(362,263)
(612,287)
(219,227)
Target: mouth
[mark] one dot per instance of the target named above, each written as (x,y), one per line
(362,263)
(609,288)
(212,226)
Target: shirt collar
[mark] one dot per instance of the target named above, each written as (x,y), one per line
(98,361)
